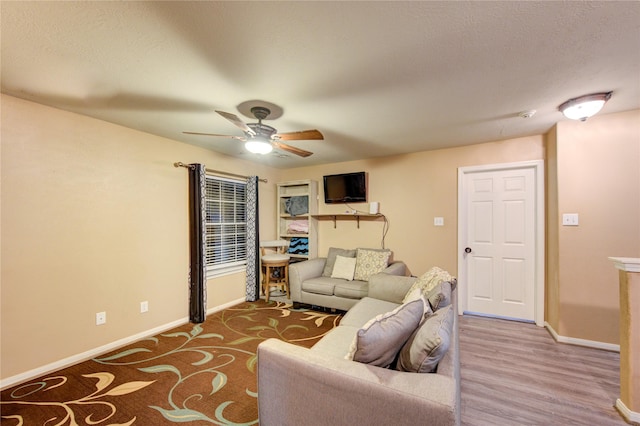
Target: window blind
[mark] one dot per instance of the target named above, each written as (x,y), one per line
(226,213)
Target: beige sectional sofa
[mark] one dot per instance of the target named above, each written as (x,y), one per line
(310,282)
(318,386)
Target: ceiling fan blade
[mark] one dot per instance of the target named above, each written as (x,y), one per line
(237,122)
(303,135)
(240,138)
(291,149)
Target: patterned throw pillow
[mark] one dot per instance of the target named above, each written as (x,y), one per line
(370,262)
(344,268)
(429,280)
(426,347)
(379,340)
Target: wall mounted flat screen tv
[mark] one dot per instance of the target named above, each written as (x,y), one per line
(345,188)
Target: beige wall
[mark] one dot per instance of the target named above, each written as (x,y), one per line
(413,189)
(598,177)
(94,218)
(592,168)
(552,286)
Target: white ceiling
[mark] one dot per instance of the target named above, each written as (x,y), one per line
(376,78)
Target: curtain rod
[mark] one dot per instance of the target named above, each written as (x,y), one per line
(181,164)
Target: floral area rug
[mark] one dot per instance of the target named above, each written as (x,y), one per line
(200,374)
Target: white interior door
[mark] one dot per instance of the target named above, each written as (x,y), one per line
(498,234)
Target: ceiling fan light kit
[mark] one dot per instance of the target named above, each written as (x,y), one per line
(258,146)
(583,107)
(260,138)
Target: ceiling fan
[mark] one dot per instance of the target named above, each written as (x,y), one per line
(260,138)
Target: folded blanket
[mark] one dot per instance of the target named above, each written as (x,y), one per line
(297,205)
(298,227)
(299,245)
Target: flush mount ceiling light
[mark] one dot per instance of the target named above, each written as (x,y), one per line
(584,107)
(258,145)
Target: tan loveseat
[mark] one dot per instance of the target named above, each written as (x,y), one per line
(310,282)
(318,386)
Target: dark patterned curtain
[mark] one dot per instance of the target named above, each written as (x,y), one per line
(253,241)
(197,244)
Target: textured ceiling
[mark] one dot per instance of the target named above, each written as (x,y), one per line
(376,78)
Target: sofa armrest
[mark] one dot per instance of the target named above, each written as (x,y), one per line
(299,386)
(302,271)
(396,268)
(391,288)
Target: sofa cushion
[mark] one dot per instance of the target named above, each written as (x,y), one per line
(370,261)
(440,295)
(428,344)
(351,289)
(364,310)
(331,259)
(344,268)
(320,285)
(336,343)
(430,279)
(379,340)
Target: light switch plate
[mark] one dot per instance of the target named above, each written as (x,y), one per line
(438,221)
(570,219)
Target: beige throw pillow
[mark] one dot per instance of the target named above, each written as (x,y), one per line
(331,259)
(440,295)
(426,347)
(417,295)
(379,340)
(370,262)
(344,268)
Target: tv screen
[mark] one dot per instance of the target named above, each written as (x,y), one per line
(345,188)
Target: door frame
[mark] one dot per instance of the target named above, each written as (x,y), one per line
(539,267)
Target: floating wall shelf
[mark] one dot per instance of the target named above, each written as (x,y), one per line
(346,216)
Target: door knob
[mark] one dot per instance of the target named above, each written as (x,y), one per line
(467,250)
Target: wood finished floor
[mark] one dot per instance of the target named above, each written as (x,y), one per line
(515,374)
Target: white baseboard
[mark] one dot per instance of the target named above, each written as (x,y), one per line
(629,416)
(581,342)
(225,306)
(66,362)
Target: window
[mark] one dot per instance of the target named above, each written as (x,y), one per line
(226,221)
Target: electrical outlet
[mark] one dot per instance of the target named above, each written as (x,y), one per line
(101,318)
(144,306)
